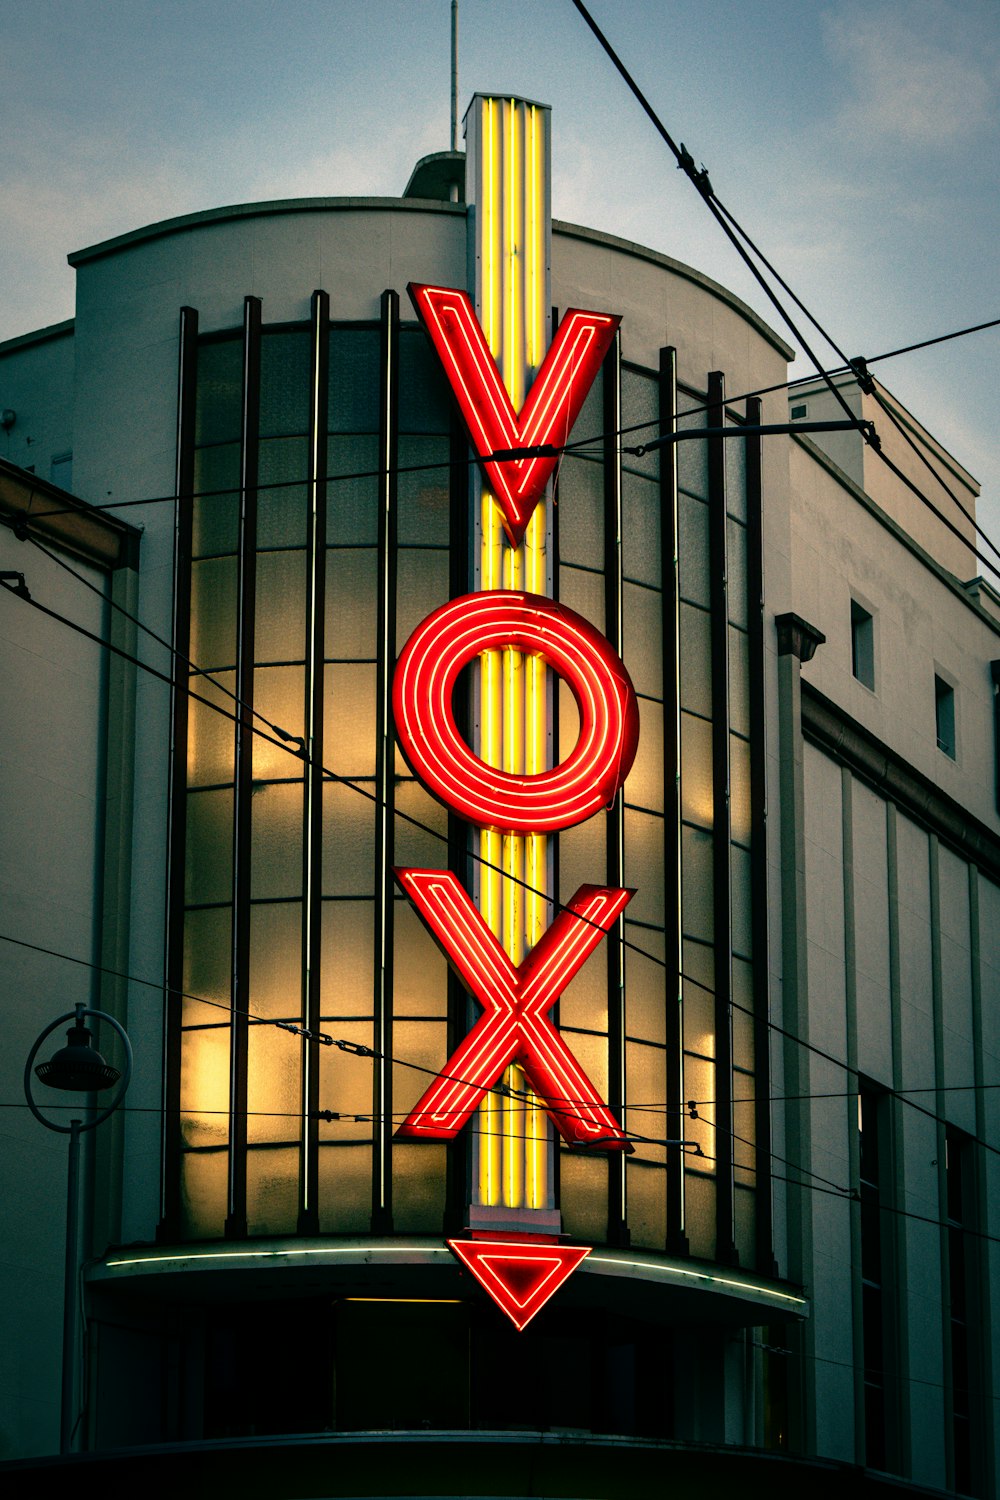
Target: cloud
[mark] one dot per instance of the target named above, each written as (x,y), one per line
(913,74)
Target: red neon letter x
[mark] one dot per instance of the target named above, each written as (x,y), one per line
(516,1002)
(552,406)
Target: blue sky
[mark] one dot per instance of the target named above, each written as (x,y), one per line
(858,142)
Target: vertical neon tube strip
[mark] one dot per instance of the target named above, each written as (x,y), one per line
(512,369)
(491,577)
(537,581)
(508,193)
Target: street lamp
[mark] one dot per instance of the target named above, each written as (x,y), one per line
(76,1068)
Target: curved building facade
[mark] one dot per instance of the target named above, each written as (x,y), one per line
(285,1233)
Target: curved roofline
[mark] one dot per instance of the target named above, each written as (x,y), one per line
(257,210)
(426,205)
(678,267)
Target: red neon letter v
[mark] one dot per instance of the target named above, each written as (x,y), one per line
(516,1002)
(552,406)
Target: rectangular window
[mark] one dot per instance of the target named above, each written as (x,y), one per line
(862,645)
(798,411)
(944,713)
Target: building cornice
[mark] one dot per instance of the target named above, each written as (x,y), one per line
(828,727)
(957,587)
(34,507)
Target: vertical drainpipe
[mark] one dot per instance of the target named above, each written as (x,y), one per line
(797,642)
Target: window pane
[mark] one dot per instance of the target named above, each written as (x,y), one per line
(345,1189)
(421,970)
(220,391)
(203,1193)
(213,613)
(423,495)
(348,842)
(209,847)
(348,958)
(207,965)
(285,383)
(273,1190)
(274,1085)
(281,507)
(351,603)
(350,716)
(276,841)
(644,785)
(581,511)
(211,733)
(215,517)
(422,584)
(693,549)
(641,544)
(424,397)
(280,611)
(354,380)
(276,960)
(352,503)
(643,633)
(204,1093)
(279,695)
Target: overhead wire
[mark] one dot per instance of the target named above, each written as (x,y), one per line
(286,742)
(747,249)
(569,448)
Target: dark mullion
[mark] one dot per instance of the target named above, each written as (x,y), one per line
(764,1246)
(385,807)
(554,843)
(236,1222)
(312,843)
(615,817)
(677,1243)
(187,383)
(458,1182)
(725,1248)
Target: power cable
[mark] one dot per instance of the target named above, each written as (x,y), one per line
(723,218)
(574,449)
(286,741)
(744,244)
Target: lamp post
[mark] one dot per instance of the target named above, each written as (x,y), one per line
(76,1068)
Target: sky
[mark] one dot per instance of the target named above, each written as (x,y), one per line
(858,142)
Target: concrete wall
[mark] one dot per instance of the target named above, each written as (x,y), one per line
(51,757)
(923,625)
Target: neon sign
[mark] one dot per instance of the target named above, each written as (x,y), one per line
(426,674)
(515,1026)
(516,1000)
(520,1275)
(552,405)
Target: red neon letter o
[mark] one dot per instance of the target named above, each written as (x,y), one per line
(425,724)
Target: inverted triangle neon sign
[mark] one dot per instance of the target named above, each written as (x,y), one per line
(552,405)
(520,1275)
